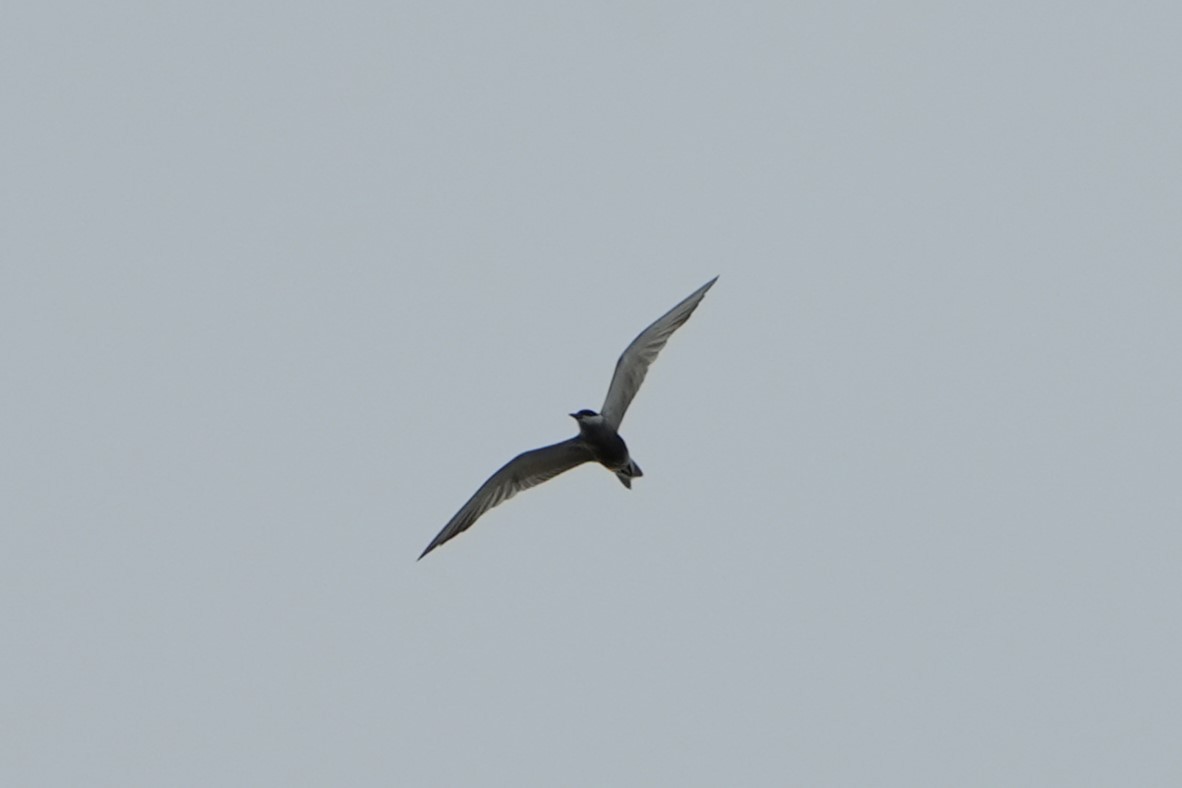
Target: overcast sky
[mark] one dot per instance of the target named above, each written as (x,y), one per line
(283,283)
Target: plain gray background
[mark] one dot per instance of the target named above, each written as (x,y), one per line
(284,282)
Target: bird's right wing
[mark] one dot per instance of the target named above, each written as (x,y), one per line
(526,470)
(639,356)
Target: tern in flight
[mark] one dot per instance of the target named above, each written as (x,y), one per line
(598,439)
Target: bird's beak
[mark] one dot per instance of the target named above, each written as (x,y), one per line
(574,416)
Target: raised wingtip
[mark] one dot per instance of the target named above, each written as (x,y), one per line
(701,291)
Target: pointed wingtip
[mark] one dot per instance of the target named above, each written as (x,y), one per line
(700,293)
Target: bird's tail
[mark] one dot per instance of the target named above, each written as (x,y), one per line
(628,473)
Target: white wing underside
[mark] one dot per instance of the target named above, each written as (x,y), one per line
(526,470)
(639,356)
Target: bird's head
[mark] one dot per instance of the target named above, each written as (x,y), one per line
(585,415)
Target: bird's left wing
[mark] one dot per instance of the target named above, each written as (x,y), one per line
(639,356)
(526,470)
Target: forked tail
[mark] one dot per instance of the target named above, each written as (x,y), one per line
(627,474)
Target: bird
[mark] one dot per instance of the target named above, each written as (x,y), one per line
(598,439)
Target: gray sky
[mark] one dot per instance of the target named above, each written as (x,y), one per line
(283,283)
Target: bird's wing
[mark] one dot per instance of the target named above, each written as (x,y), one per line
(638,356)
(526,470)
